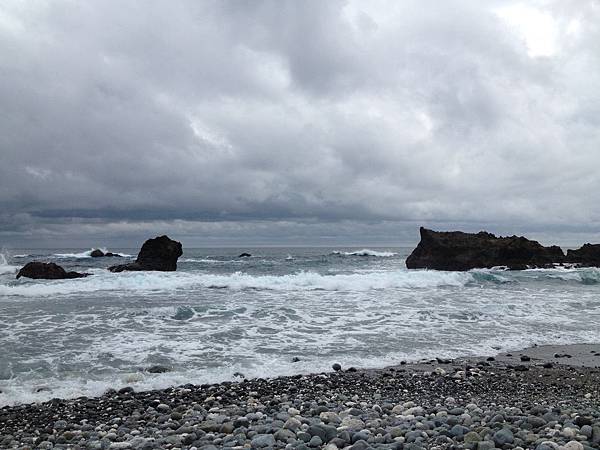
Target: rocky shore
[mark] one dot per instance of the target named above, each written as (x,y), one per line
(533,399)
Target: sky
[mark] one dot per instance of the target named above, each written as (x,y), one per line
(297,123)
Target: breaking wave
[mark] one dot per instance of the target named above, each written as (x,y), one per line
(588,275)
(365,252)
(6,268)
(136,282)
(133,283)
(86,254)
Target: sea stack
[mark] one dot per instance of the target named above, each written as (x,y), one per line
(47,271)
(586,256)
(160,253)
(456,250)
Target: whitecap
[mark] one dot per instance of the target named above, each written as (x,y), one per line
(365,252)
(136,282)
(87,254)
(6,268)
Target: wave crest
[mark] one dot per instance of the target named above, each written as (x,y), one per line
(6,268)
(136,282)
(365,252)
(87,254)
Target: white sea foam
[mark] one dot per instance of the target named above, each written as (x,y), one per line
(24,255)
(366,252)
(208,325)
(6,268)
(19,391)
(201,260)
(139,282)
(588,275)
(87,254)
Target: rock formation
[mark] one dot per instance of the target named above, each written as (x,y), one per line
(455,250)
(47,271)
(160,253)
(97,253)
(588,255)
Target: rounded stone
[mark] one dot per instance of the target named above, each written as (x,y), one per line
(262,441)
(574,445)
(472,436)
(315,441)
(503,436)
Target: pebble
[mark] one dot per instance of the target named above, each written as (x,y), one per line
(495,407)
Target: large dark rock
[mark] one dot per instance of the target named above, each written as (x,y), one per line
(47,271)
(160,253)
(588,255)
(455,250)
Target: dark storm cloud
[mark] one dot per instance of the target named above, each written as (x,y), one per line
(291,115)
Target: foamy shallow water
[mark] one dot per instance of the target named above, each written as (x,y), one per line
(218,315)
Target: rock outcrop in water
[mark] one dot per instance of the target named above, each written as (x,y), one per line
(588,255)
(456,250)
(97,253)
(160,253)
(47,271)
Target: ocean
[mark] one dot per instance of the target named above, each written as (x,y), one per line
(282,311)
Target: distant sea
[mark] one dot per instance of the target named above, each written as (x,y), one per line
(219,315)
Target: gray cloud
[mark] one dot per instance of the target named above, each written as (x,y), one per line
(234,118)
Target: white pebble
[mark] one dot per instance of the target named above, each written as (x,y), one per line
(574,445)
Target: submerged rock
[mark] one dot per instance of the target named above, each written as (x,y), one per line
(160,253)
(245,255)
(158,369)
(456,250)
(47,271)
(183,313)
(588,255)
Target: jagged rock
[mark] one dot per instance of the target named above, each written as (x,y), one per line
(160,253)
(455,250)
(47,271)
(587,255)
(245,255)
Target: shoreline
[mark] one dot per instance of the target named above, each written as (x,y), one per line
(571,355)
(360,408)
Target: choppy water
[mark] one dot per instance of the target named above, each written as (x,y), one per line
(219,314)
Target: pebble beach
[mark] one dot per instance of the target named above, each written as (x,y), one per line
(542,398)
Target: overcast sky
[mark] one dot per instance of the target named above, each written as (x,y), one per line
(304,122)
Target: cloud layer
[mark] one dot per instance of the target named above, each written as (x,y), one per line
(239,116)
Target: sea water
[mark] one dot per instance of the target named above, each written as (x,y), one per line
(220,315)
